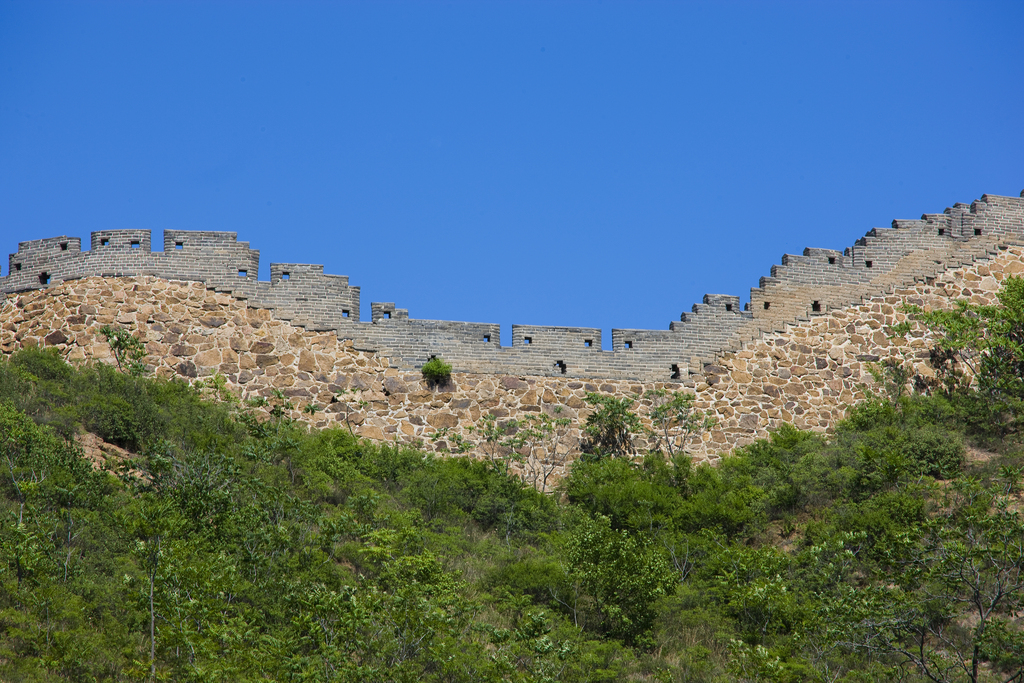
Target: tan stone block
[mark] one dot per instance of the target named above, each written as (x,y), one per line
(442,420)
(307,361)
(370,432)
(206,359)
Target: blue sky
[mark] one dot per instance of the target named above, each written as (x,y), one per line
(555,163)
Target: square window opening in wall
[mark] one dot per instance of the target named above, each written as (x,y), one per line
(628,345)
(728,307)
(387,315)
(868,264)
(527,340)
(675,371)
(242,272)
(487,337)
(831,260)
(977,231)
(179,245)
(104,242)
(588,343)
(344,314)
(561,366)
(63,246)
(286,276)
(816,307)
(17,266)
(44,278)
(942,231)
(136,245)
(767,305)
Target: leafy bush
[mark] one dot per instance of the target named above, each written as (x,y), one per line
(610,428)
(436,370)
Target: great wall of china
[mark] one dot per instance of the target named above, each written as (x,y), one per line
(798,352)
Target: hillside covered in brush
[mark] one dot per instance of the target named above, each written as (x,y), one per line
(156,530)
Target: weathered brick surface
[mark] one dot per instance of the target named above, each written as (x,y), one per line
(807,370)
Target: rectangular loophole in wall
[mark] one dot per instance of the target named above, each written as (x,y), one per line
(628,345)
(487,337)
(831,260)
(17,266)
(816,307)
(728,307)
(387,315)
(675,371)
(527,340)
(767,305)
(286,276)
(179,245)
(942,231)
(344,314)
(977,231)
(588,342)
(561,366)
(868,264)
(136,245)
(63,246)
(104,242)
(44,278)
(242,272)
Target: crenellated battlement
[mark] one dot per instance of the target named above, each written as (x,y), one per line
(800,286)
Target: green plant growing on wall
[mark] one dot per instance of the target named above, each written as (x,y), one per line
(675,419)
(987,340)
(217,388)
(342,398)
(280,405)
(541,440)
(457,443)
(894,376)
(128,350)
(499,441)
(436,371)
(610,428)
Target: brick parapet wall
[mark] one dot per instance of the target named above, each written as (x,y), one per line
(808,373)
(800,288)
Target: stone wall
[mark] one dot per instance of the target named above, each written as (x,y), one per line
(800,288)
(808,372)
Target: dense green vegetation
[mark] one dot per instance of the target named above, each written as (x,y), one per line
(231,548)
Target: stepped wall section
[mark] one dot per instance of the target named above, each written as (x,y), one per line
(801,287)
(806,371)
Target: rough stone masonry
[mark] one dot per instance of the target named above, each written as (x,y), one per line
(797,353)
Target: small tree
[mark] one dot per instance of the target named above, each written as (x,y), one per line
(610,428)
(128,350)
(895,377)
(540,436)
(675,419)
(987,340)
(498,441)
(948,603)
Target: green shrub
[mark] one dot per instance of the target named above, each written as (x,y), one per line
(436,370)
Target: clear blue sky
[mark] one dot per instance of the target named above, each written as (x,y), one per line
(555,163)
